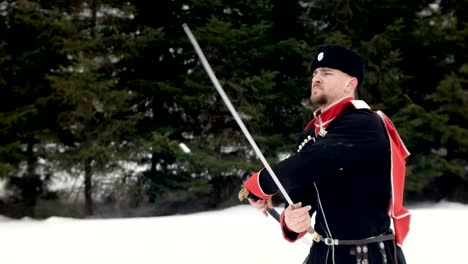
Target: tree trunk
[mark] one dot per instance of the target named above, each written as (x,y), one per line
(30,184)
(93,6)
(88,190)
(89,203)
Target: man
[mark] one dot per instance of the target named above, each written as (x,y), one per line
(348,169)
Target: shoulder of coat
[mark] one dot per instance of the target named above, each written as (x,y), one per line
(360,104)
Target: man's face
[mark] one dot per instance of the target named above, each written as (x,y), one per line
(328,85)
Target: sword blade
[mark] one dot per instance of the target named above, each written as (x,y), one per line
(234,113)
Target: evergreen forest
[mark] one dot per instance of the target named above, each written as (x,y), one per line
(106,110)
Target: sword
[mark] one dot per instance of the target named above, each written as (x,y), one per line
(234,113)
(239,121)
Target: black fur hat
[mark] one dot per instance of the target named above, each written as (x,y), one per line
(340,58)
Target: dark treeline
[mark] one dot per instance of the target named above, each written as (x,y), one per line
(99,95)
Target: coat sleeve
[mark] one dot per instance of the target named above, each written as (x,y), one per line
(350,137)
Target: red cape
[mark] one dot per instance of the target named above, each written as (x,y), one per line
(400,215)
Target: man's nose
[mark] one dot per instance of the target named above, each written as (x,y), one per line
(316,79)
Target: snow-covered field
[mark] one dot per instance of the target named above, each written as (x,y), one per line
(236,235)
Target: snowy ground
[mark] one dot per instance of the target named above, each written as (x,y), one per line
(236,235)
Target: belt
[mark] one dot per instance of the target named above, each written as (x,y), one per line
(335,242)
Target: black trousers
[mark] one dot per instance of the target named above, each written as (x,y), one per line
(344,254)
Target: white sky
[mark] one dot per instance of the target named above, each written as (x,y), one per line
(235,235)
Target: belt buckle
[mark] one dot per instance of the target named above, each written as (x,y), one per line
(330,241)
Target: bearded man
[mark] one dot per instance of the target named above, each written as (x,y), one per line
(348,169)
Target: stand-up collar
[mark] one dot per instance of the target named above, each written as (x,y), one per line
(333,109)
(323,116)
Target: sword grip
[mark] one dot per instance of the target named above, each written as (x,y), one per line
(274,213)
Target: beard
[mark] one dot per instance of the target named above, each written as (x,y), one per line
(319,100)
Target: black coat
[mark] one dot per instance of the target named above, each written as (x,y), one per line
(345,177)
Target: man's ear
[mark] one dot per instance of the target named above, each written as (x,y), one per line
(351,85)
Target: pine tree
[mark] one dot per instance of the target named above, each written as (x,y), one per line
(256,65)
(30,46)
(445,32)
(96,111)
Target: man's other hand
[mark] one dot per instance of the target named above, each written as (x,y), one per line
(262,205)
(297,219)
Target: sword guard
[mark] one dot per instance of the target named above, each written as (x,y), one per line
(243,193)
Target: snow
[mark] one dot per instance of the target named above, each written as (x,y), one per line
(238,234)
(184,148)
(3,192)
